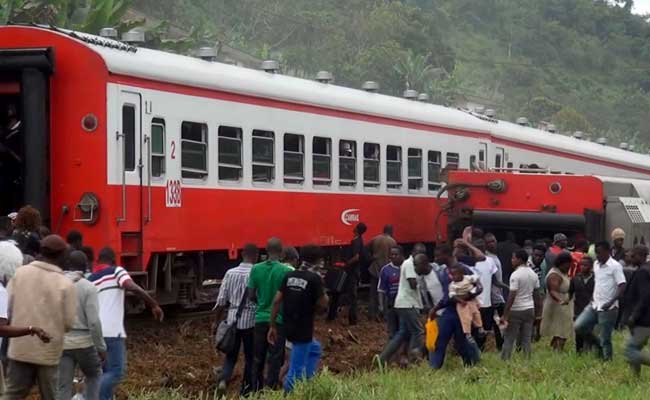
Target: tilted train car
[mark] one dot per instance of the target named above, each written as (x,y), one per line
(177,162)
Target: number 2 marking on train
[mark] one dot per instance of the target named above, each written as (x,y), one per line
(173,150)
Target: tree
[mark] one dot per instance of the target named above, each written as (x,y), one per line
(570,120)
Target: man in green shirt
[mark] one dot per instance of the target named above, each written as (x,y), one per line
(264,282)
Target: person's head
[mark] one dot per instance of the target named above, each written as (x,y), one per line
(480,244)
(490,242)
(397,255)
(639,255)
(106,256)
(43,231)
(388,230)
(6,227)
(560,240)
(290,256)
(311,254)
(618,237)
(274,248)
(419,248)
(76,261)
(582,245)
(74,239)
(563,261)
(10,259)
(443,254)
(28,219)
(519,258)
(360,229)
(54,250)
(586,265)
(90,254)
(249,253)
(603,250)
(477,233)
(421,263)
(627,257)
(539,251)
(511,237)
(457,273)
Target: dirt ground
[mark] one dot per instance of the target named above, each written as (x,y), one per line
(179,353)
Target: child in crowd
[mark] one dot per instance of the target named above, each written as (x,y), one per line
(462,288)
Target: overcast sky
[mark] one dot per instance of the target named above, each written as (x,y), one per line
(642,6)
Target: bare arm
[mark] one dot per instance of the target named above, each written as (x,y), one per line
(537,298)
(413,283)
(17,331)
(553,283)
(511,299)
(134,288)
(496,282)
(620,291)
(275,310)
(476,253)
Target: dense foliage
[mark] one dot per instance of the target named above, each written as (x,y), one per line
(581,64)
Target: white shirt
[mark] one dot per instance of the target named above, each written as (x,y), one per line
(485,270)
(4,305)
(430,285)
(607,278)
(497,293)
(109,282)
(231,293)
(523,280)
(407,297)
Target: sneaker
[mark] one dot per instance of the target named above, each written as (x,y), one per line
(222,389)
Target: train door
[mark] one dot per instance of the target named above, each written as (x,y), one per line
(134,170)
(478,160)
(499,158)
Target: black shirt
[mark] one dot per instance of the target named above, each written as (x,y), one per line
(582,290)
(356,246)
(301,290)
(638,296)
(504,252)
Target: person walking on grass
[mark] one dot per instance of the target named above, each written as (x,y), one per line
(264,282)
(380,247)
(39,295)
(582,291)
(387,288)
(84,345)
(523,301)
(557,317)
(639,319)
(300,295)
(112,283)
(232,292)
(609,287)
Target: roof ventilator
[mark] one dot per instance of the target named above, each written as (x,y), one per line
(602,141)
(270,66)
(423,97)
(108,33)
(370,86)
(410,94)
(490,113)
(324,77)
(623,146)
(207,53)
(522,121)
(133,37)
(578,135)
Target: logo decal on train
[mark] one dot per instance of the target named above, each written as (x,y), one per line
(350,216)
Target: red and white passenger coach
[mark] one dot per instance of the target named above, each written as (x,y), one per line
(177,162)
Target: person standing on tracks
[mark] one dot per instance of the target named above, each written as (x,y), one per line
(84,345)
(353,273)
(449,322)
(609,287)
(231,293)
(301,295)
(113,282)
(39,295)
(380,247)
(264,282)
(639,318)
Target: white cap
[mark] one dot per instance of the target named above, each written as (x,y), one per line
(12,215)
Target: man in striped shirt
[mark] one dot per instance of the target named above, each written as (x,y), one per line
(231,293)
(112,282)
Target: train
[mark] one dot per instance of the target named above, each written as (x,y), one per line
(176,162)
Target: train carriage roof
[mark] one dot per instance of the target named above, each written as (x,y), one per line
(155,65)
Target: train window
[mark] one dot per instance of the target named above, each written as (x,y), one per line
(322,160)
(394,167)
(497,161)
(473,166)
(194,150)
(510,165)
(347,163)
(371,165)
(128,130)
(294,156)
(434,164)
(230,164)
(157,147)
(453,160)
(263,156)
(415,169)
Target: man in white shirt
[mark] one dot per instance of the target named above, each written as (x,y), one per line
(407,306)
(609,286)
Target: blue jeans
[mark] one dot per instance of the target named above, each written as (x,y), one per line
(114,367)
(606,320)
(449,326)
(303,362)
(634,353)
(410,326)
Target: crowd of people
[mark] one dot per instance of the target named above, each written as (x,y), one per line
(62,310)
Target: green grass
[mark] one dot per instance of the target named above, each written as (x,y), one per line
(547,376)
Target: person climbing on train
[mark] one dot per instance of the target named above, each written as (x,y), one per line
(301,295)
(112,283)
(231,293)
(263,284)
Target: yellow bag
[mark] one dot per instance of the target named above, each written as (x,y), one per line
(431,328)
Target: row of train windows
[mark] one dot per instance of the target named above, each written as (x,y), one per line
(194,158)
